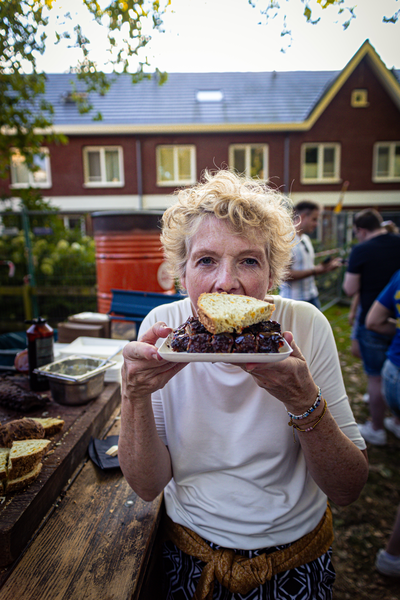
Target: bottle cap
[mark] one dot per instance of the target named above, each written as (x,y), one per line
(35,321)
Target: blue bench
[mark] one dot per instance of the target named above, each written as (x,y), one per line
(127,305)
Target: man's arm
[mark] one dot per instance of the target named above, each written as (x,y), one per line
(297,274)
(351,283)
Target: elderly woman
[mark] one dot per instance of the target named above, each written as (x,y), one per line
(247,454)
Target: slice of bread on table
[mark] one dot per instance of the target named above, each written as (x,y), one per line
(231,313)
(29,429)
(51,425)
(20,429)
(25,456)
(20,483)
(21,464)
(4,453)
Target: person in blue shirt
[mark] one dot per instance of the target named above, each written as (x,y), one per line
(384,317)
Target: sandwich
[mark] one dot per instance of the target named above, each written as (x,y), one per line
(229,323)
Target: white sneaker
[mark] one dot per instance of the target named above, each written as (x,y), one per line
(391,425)
(387,564)
(366,398)
(377,437)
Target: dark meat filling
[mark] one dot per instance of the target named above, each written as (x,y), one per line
(194,327)
(179,343)
(222,342)
(263,326)
(269,342)
(192,336)
(245,343)
(200,342)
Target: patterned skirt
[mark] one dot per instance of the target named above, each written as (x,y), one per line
(312,581)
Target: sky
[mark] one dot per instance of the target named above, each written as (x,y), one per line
(230,35)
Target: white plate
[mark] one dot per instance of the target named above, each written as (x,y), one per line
(168,354)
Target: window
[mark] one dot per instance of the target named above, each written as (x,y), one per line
(176,165)
(103,166)
(320,163)
(250,159)
(22,177)
(359,98)
(209,95)
(386,161)
(75,222)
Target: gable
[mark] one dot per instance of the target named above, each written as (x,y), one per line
(213,102)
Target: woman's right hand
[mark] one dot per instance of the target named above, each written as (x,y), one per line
(143,370)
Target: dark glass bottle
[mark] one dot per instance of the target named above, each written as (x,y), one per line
(40,351)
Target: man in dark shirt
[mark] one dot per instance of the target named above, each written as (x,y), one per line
(371,265)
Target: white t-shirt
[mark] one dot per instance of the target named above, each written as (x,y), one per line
(239,480)
(302,258)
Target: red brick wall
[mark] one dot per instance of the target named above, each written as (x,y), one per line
(357,129)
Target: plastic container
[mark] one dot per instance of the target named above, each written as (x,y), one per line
(40,338)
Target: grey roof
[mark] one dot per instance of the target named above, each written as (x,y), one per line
(251,97)
(273,97)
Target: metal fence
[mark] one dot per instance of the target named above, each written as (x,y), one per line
(74,289)
(334,236)
(40,272)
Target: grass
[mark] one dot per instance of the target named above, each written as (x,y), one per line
(364,527)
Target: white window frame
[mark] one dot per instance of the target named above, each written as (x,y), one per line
(390,176)
(176,180)
(31,181)
(247,148)
(103,183)
(321,147)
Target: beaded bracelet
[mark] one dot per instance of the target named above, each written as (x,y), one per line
(310,410)
(307,429)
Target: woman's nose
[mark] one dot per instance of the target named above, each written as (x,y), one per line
(227,280)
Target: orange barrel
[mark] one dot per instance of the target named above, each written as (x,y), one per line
(129,255)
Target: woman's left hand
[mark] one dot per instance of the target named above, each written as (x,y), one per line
(290,380)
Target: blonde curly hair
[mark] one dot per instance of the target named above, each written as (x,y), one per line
(252,208)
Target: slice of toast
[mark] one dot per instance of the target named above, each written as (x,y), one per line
(51,425)
(4,454)
(24,457)
(231,313)
(20,483)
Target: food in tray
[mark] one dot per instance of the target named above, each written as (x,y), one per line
(248,329)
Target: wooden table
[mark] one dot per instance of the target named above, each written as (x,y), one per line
(96,542)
